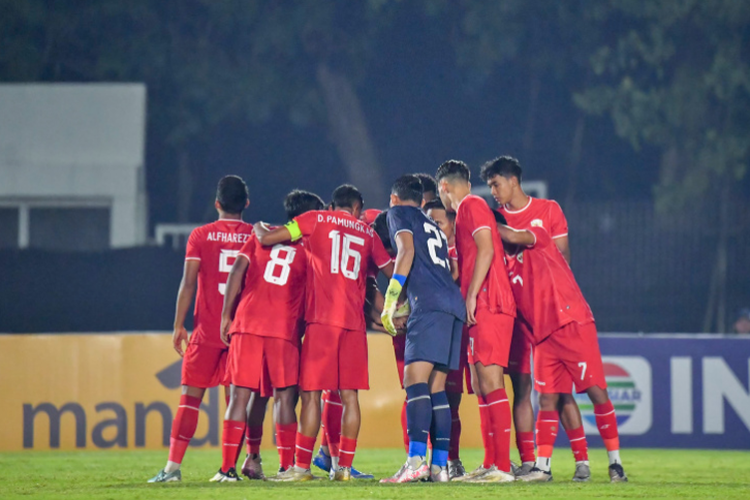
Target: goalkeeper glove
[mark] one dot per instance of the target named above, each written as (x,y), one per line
(391,302)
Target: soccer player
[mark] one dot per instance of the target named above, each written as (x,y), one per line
(265,347)
(429,188)
(433,331)
(490,311)
(503,176)
(341,249)
(454,384)
(211,250)
(566,349)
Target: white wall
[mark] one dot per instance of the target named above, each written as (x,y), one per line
(77,143)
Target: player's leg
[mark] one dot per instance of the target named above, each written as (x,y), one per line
(235,420)
(440,428)
(455,466)
(284,401)
(256,413)
(309,425)
(606,422)
(570,417)
(419,419)
(323,459)
(523,418)
(492,387)
(587,370)
(333,412)
(202,367)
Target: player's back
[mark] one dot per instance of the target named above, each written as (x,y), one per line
(474,215)
(538,212)
(272,301)
(340,250)
(215,245)
(430,285)
(546,292)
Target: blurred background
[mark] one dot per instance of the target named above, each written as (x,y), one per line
(117,119)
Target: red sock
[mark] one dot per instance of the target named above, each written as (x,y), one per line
(254,437)
(606,422)
(499,409)
(285,436)
(525,444)
(347,448)
(453,451)
(304,446)
(231,439)
(485,425)
(578,443)
(333,411)
(183,427)
(404,427)
(323,416)
(546,432)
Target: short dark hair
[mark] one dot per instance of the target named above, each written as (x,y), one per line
(506,166)
(436,204)
(346,196)
(232,194)
(298,201)
(500,218)
(380,226)
(408,187)
(453,170)
(429,184)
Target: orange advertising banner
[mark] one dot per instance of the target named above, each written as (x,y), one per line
(120,391)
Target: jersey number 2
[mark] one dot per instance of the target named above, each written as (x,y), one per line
(342,252)
(435,242)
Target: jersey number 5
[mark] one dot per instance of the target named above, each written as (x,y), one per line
(435,242)
(225,266)
(342,252)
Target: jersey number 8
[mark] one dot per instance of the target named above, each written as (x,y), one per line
(270,273)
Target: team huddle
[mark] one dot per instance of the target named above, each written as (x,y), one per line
(473,294)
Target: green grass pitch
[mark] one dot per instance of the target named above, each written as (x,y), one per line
(123,475)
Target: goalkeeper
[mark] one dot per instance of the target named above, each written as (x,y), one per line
(433,330)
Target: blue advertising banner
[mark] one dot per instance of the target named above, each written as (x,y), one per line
(675,391)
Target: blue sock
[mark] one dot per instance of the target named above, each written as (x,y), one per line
(418,418)
(440,430)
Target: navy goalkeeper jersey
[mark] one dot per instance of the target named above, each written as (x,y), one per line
(429,286)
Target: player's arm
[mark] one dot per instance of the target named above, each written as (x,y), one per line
(485,254)
(516,237)
(234,285)
(561,242)
(454,270)
(185,296)
(404,260)
(269,237)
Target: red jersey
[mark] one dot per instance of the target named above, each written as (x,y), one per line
(452,253)
(473,215)
(546,292)
(215,245)
(340,251)
(272,303)
(538,212)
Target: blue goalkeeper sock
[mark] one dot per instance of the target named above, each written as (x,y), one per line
(440,431)
(418,418)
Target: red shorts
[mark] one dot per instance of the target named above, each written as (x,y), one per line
(489,339)
(204,366)
(399,346)
(262,363)
(454,383)
(570,355)
(519,359)
(333,359)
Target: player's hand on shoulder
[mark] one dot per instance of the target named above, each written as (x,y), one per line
(179,336)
